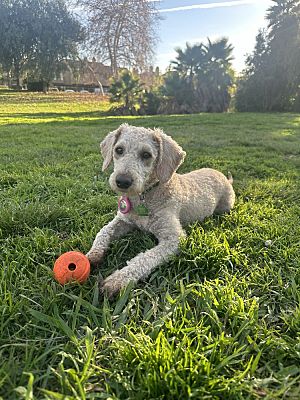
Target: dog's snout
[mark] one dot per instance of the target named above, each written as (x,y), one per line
(124,181)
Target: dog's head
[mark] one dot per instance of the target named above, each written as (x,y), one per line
(140,156)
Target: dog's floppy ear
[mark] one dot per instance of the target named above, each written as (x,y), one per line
(107,146)
(170,156)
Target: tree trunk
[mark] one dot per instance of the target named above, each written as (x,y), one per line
(17,72)
(99,83)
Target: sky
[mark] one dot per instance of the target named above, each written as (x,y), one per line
(193,21)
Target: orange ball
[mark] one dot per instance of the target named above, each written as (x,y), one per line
(71,266)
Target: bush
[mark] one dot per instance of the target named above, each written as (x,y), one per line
(38,86)
(150,103)
(126,91)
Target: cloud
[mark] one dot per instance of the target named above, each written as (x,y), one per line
(210,5)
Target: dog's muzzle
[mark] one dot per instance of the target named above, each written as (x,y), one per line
(124,181)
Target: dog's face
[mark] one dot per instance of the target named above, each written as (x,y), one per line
(135,155)
(140,156)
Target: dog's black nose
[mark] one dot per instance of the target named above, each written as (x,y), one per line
(123,181)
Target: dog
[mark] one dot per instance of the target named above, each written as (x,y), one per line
(154,198)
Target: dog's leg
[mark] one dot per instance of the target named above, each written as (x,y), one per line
(143,264)
(115,229)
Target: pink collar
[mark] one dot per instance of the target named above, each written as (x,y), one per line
(124,205)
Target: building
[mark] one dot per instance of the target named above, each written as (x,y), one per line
(91,75)
(83,75)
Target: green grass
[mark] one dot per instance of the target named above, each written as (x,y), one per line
(219,321)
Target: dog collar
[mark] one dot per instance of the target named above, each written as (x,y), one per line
(142,195)
(125,206)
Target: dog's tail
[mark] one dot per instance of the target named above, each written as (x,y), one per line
(230,178)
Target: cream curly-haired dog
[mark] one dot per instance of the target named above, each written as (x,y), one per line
(154,198)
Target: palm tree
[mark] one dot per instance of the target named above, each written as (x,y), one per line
(189,61)
(219,51)
(126,90)
(218,76)
(205,76)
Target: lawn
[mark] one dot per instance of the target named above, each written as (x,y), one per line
(219,321)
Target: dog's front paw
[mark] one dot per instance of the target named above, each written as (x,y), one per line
(95,257)
(114,283)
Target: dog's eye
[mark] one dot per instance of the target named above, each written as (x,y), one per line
(146,155)
(119,150)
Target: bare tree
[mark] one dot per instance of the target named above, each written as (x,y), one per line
(122,32)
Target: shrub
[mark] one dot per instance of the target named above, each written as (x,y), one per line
(150,102)
(126,91)
(37,86)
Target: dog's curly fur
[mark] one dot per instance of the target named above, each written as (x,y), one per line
(173,200)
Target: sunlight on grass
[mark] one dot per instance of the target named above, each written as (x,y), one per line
(38,108)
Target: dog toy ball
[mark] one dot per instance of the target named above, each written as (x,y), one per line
(71,266)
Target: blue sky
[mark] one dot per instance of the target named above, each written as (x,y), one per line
(194,20)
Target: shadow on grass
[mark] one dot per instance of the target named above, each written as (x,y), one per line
(209,118)
(85,118)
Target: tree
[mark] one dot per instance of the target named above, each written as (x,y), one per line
(272,78)
(201,79)
(179,94)
(188,61)
(126,90)
(255,84)
(58,34)
(17,35)
(284,52)
(216,78)
(36,36)
(219,51)
(121,32)
(261,49)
